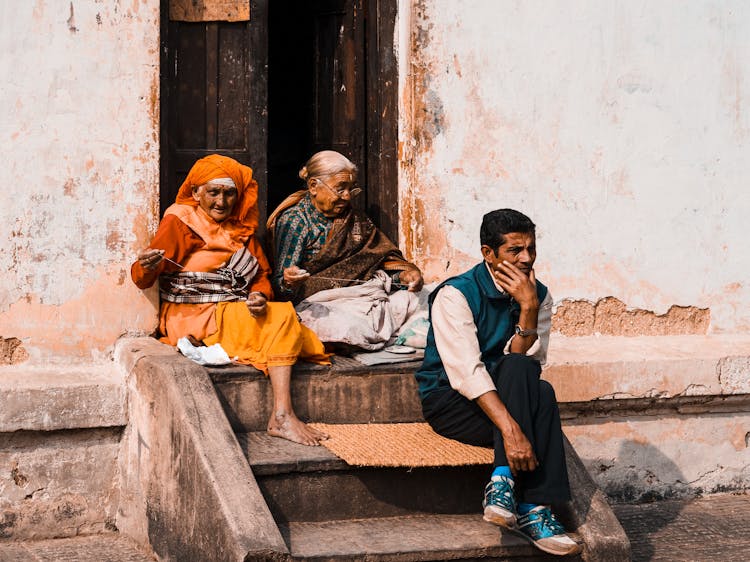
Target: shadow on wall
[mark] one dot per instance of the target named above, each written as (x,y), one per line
(642,474)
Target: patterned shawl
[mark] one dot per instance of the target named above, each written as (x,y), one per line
(228,283)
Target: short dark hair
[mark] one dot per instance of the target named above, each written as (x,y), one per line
(496,224)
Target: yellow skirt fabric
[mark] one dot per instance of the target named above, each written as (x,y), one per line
(275,339)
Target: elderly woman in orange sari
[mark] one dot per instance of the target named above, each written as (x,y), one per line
(214,284)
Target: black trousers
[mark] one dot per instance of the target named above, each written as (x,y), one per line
(532,403)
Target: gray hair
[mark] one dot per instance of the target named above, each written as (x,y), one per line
(327,163)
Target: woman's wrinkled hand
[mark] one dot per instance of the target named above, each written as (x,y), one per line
(412,278)
(257,304)
(150,259)
(293,276)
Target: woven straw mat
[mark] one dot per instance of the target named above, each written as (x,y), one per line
(399,444)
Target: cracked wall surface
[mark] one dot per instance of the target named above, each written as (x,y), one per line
(79,135)
(58,484)
(622,133)
(610,316)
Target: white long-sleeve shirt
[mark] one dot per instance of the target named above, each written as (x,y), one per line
(456,340)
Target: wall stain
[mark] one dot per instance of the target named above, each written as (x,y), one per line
(71,186)
(427,112)
(424,120)
(72,20)
(610,316)
(19,479)
(114,240)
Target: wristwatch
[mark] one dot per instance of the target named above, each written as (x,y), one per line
(521,332)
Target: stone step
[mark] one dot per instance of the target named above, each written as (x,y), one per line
(346,392)
(190,424)
(109,547)
(315,497)
(328,510)
(60,433)
(59,397)
(302,483)
(592,376)
(406,539)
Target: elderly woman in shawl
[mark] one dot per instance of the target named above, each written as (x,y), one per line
(321,243)
(215,288)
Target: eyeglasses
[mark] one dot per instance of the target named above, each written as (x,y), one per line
(342,192)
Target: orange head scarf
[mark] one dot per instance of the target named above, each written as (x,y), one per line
(215,166)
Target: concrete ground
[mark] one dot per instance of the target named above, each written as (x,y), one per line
(709,528)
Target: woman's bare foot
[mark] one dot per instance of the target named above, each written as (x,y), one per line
(288,426)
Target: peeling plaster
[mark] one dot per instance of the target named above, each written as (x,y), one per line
(82,136)
(621,133)
(12,351)
(610,316)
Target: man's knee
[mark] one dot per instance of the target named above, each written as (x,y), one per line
(516,371)
(546,394)
(521,363)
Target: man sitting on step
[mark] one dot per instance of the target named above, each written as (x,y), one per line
(480,380)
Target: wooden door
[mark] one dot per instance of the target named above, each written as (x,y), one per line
(316,87)
(333,86)
(338,87)
(213,96)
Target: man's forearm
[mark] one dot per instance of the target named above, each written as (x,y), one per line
(518,451)
(497,412)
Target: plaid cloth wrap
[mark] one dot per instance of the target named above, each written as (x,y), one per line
(228,283)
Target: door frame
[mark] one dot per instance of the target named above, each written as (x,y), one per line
(382,115)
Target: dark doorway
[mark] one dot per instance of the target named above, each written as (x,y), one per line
(300,76)
(316,87)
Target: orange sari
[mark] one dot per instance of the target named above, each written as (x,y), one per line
(191,238)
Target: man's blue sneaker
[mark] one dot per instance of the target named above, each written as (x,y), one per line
(499,502)
(541,527)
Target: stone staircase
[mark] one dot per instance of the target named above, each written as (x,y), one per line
(153,455)
(328,510)
(60,433)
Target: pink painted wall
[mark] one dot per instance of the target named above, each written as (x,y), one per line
(79,138)
(621,128)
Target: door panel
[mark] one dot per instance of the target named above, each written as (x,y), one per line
(213,97)
(339,79)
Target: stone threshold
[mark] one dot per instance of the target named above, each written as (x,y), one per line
(610,367)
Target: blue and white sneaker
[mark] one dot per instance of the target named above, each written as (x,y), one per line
(543,530)
(499,502)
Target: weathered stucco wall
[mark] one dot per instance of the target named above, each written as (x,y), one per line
(78,134)
(622,129)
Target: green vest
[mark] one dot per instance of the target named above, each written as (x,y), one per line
(495,316)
